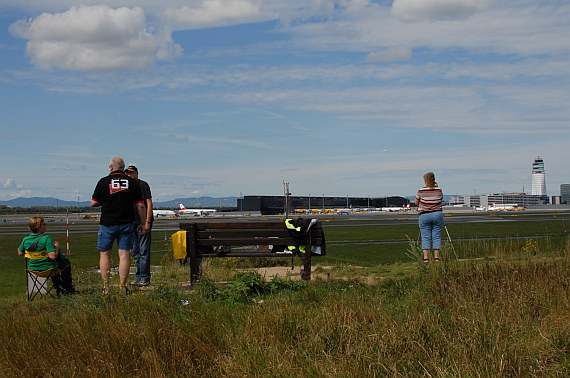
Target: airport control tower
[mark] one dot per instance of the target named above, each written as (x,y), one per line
(538,177)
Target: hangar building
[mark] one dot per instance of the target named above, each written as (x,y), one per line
(269,205)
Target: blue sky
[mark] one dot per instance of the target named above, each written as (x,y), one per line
(222,97)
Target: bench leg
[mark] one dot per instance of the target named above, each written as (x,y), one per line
(193,270)
(307,263)
(191,248)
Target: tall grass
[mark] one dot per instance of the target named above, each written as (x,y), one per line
(469,318)
(514,247)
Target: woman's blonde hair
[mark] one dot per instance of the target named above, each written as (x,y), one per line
(429,179)
(35,224)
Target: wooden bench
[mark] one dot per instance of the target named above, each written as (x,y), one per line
(255,239)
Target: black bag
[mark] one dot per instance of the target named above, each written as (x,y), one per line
(34,245)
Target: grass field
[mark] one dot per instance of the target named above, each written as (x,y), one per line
(346,244)
(502,309)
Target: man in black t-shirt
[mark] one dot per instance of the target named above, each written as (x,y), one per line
(117,193)
(141,243)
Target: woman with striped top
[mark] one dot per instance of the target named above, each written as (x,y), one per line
(429,200)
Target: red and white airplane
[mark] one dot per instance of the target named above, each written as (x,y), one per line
(196,212)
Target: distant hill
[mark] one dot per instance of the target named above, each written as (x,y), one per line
(190,202)
(43,201)
(200,202)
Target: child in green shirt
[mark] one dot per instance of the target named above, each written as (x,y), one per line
(48,251)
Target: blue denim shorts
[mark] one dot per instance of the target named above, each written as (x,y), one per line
(122,232)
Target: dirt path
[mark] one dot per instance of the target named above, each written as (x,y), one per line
(318,272)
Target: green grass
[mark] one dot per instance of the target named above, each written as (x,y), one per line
(500,311)
(505,229)
(364,254)
(346,244)
(382,232)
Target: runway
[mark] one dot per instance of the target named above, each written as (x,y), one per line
(17,225)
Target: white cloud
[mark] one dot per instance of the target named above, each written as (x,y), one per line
(391,54)
(210,13)
(354,5)
(512,27)
(11,189)
(412,10)
(226,141)
(94,38)
(16,194)
(11,184)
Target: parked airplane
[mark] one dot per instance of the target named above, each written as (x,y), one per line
(506,206)
(395,209)
(196,212)
(163,213)
(495,207)
(343,211)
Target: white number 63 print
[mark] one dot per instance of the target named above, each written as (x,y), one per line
(119,184)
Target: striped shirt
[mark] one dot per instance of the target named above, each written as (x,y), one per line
(429,199)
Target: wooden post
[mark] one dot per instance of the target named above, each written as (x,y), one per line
(191,250)
(307,259)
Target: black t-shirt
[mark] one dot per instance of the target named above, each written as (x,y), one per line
(117,194)
(145,191)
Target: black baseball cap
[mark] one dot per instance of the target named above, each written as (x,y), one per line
(132,168)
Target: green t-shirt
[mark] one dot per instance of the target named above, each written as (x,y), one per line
(45,244)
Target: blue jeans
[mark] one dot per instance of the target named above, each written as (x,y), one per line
(141,254)
(430,228)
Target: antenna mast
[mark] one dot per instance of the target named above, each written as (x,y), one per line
(286,195)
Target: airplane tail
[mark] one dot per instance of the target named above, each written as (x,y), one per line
(181,206)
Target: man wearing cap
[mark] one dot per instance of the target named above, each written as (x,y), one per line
(141,243)
(117,194)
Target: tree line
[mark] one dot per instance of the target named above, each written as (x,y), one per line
(8,210)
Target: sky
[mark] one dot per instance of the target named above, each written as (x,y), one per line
(235,97)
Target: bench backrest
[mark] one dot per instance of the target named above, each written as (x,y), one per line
(212,234)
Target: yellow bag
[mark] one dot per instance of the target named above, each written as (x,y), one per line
(179,245)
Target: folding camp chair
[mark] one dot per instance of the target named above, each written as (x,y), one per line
(40,281)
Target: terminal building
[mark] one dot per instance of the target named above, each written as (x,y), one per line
(484,200)
(537,197)
(565,193)
(270,205)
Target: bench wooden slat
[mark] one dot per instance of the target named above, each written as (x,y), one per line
(201,226)
(248,254)
(220,234)
(242,233)
(249,241)
(234,225)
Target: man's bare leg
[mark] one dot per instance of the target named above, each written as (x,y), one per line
(124,266)
(105,266)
